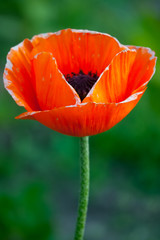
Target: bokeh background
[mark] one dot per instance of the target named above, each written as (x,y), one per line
(39,168)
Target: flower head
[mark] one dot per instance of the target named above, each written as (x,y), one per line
(77,82)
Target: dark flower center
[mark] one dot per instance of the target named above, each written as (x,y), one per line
(81,82)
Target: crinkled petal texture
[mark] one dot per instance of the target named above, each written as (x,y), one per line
(35,77)
(85,119)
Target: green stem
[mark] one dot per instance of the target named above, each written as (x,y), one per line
(84,192)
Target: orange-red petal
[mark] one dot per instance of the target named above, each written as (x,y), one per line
(85,119)
(112,84)
(36,84)
(51,88)
(18,78)
(76,50)
(128,73)
(142,69)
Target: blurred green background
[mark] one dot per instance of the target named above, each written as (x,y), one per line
(39,168)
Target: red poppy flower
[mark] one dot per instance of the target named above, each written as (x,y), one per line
(77,82)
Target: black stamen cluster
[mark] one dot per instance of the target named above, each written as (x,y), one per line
(81,82)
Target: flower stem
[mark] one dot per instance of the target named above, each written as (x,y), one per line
(84,191)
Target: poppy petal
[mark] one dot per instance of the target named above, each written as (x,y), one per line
(17,76)
(112,85)
(86,119)
(76,50)
(142,69)
(128,73)
(51,88)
